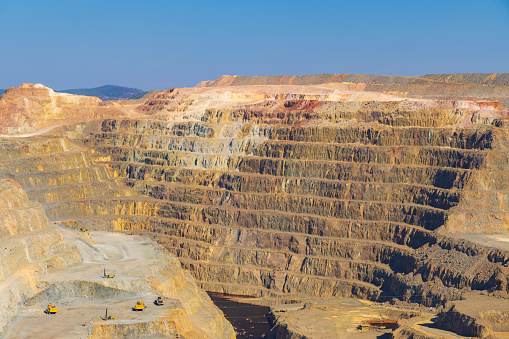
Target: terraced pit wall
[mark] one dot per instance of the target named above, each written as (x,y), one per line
(286,206)
(266,210)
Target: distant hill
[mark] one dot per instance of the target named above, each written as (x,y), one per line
(139,96)
(107,92)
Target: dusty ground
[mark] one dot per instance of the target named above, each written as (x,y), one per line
(426,323)
(498,240)
(32,134)
(339,318)
(75,322)
(124,256)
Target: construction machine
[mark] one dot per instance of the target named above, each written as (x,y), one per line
(109,276)
(52,309)
(108,317)
(140,306)
(85,230)
(388,324)
(159,301)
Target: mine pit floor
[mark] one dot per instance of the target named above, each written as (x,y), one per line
(77,321)
(495,240)
(339,318)
(125,256)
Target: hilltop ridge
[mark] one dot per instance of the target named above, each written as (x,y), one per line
(106,92)
(496,79)
(31,107)
(463,86)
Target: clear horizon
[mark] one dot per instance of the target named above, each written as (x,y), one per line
(162,44)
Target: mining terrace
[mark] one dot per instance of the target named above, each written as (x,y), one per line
(336,199)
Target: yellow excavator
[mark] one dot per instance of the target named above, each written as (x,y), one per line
(159,301)
(52,309)
(85,230)
(140,306)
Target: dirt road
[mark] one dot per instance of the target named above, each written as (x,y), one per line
(31,134)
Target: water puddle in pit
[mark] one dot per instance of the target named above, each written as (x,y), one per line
(249,321)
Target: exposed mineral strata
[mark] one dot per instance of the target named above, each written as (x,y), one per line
(330,185)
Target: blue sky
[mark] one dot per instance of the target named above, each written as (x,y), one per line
(155,44)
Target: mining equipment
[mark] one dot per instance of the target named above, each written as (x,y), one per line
(364,327)
(108,317)
(377,324)
(387,324)
(52,309)
(109,276)
(140,306)
(85,230)
(159,301)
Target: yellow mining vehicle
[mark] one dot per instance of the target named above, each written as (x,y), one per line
(140,306)
(108,317)
(159,301)
(109,276)
(52,309)
(85,230)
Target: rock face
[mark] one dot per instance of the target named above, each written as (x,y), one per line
(30,248)
(32,107)
(346,187)
(477,316)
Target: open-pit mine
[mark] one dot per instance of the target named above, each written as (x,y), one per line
(354,206)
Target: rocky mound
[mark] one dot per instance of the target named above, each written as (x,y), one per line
(496,79)
(31,107)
